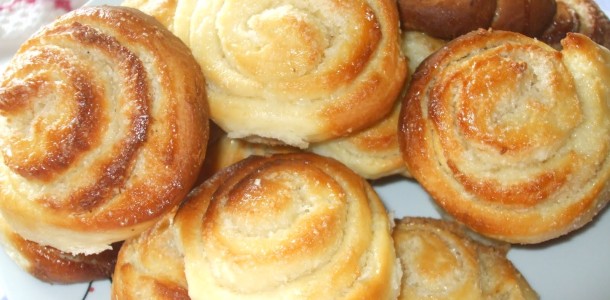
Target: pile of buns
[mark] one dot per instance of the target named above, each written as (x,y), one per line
(196,149)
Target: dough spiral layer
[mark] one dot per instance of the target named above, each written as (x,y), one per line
(150,266)
(510,136)
(104,124)
(440,261)
(295,71)
(284,227)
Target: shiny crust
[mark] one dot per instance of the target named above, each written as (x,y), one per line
(296,72)
(104,126)
(150,266)
(51,265)
(530,17)
(510,136)
(440,261)
(449,19)
(287,226)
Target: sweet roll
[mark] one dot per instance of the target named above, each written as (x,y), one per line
(287,226)
(104,123)
(295,72)
(510,136)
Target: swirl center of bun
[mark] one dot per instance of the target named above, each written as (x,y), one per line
(512,103)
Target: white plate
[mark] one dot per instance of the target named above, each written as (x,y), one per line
(574,267)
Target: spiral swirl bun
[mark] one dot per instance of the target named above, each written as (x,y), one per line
(440,261)
(510,136)
(295,71)
(287,226)
(104,124)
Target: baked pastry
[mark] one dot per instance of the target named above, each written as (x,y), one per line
(441,261)
(51,265)
(373,153)
(150,266)
(103,127)
(449,19)
(583,16)
(295,72)
(162,10)
(287,226)
(547,20)
(510,136)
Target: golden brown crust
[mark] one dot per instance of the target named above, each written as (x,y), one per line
(104,122)
(287,226)
(295,72)
(510,136)
(51,265)
(440,261)
(150,266)
(373,153)
(530,17)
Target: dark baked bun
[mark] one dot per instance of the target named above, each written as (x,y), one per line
(547,20)
(583,16)
(447,19)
